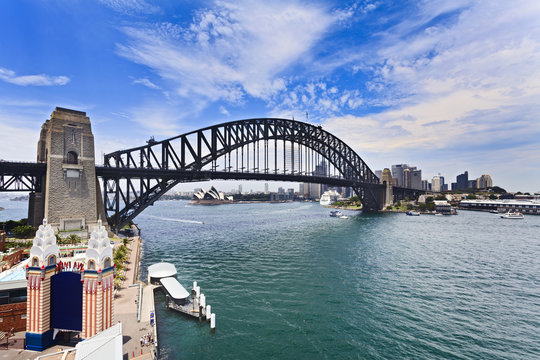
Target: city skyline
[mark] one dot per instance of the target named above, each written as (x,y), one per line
(439,85)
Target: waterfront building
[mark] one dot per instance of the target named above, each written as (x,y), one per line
(240,189)
(471,184)
(266,191)
(426,185)
(210,197)
(378,173)
(523,206)
(443,207)
(484,182)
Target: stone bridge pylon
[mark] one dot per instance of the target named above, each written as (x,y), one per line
(70,196)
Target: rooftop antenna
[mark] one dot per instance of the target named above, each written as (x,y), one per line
(307,116)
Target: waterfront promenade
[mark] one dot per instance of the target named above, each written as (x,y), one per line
(126,308)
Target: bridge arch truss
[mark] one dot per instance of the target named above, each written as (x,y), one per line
(253,149)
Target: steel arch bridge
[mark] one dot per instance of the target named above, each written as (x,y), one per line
(253,149)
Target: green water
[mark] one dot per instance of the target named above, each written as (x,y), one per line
(287,281)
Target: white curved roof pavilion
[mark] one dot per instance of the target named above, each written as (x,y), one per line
(161,270)
(174,288)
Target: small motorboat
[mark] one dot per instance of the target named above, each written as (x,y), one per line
(413,213)
(512,215)
(343,217)
(336,213)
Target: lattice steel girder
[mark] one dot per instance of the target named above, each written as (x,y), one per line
(21,176)
(116,193)
(204,146)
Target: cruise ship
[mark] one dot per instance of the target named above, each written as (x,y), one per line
(329,197)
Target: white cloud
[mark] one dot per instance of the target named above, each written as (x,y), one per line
(147,83)
(224,111)
(230,51)
(131,6)
(35,80)
(471,83)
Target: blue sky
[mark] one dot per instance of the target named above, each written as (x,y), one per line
(446,86)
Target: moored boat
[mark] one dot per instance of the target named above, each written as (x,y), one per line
(413,213)
(336,213)
(512,215)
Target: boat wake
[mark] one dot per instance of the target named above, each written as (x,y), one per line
(175,220)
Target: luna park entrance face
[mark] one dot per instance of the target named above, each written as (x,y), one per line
(66,301)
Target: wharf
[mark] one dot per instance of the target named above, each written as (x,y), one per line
(191,308)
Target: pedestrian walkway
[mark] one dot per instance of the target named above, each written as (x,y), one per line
(126,308)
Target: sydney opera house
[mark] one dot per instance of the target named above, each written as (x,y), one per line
(211,197)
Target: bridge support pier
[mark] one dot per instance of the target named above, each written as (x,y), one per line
(70,196)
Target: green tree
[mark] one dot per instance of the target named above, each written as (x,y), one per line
(471,197)
(493,197)
(24,231)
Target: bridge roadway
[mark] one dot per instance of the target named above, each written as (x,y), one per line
(25,176)
(205,175)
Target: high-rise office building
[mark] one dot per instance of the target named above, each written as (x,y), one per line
(436,185)
(378,173)
(266,191)
(416,179)
(407,176)
(484,182)
(462,181)
(397,173)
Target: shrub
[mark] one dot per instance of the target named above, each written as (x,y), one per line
(24,231)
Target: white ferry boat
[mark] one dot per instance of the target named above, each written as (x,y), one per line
(512,215)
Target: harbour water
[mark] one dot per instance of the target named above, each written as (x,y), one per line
(287,281)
